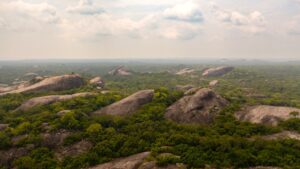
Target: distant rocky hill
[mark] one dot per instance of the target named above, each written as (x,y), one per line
(264,114)
(185,71)
(129,104)
(218,71)
(201,107)
(121,70)
(56,83)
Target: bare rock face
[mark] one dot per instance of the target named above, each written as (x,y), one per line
(120,71)
(131,162)
(97,82)
(202,107)
(128,105)
(218,71)
(56,83)
(45,100)
(185,71)
(262,114)
(283,135)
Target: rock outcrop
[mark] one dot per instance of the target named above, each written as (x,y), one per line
(56,83)
(127,105)
(263,114)
(218,71)
(97,82)
(185,71)
(131,162)
(45,100)
(201,107)
(120,71)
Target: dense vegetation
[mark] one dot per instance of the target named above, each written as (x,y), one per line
(225,143)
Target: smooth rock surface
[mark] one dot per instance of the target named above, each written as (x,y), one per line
(127,105)
(264,114)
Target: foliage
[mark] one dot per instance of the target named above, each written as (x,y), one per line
(225,143)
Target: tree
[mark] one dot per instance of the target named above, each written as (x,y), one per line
(94,129)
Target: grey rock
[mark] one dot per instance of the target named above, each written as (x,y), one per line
(202,107)
(128,105)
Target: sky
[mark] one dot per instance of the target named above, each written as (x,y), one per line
(150,29)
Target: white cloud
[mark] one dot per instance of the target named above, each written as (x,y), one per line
(253,22)
(85,7)
(156,25)
(96,25)
(188,11)
(21,16)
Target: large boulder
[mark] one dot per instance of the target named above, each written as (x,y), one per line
(201,107)
(97,82)
(263,114)
(56,83)
(218,71)
(45,100)
(128,105)
(120,71)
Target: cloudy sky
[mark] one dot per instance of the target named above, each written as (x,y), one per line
(261,29)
